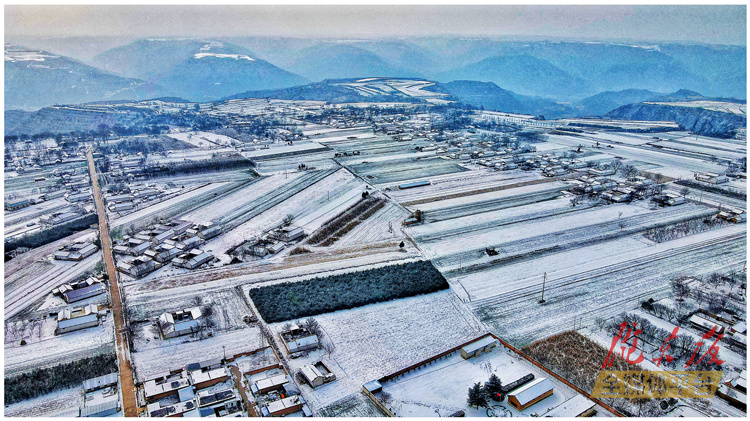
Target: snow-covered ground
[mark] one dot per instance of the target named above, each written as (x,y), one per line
(371,341)
(216,209)
(440,389)
(203,139)
(166,205)
(590,282)
(671,165)
(62,403)
(54,349)
(282,148)
(311,207)
(457,183)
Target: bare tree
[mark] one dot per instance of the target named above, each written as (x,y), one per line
(600,322)
(616,165)
(680,289)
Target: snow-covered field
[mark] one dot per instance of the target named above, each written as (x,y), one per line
(54,349)
(216,209)
(62,403)
(165,206)
(515,234)
(311,207)
(203,139)
(462,183)
(402,170)
(282,148)
(596,281)
(371,341)
(671,165)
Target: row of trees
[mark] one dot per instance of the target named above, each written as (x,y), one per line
(346,220)
(712,189)
(292,300)
(42,381)
(683,229)
(49,235)
(196,167)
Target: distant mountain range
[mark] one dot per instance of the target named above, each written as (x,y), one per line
(555,78)
(194,70)
(35,79)
(198,70)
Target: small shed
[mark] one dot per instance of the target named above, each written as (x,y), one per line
(101,410)
(313,376)
(476,348)
(78,323)
(530,394)
(705,325)
(99,382)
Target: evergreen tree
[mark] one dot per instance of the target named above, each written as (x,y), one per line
(493,387)
(477,398)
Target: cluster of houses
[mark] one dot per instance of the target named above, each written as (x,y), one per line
(76,251)
(127,167)
(75,188)
(207,389)
(139,193)
(593,181)
(201,389)
(30,156)
(273,242)
(176,241)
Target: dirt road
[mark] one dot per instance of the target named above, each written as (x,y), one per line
(121,344)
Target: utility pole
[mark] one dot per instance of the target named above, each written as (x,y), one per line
(544,283)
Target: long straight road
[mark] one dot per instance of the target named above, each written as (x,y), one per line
(127,384)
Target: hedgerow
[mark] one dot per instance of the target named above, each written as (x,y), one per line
(51,234)
(293,300)
(41,381)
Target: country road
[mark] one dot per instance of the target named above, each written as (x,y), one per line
(127,384)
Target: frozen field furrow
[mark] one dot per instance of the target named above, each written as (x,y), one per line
(554,233)
(436,231)
(239,197)
(449,184)
(521,319)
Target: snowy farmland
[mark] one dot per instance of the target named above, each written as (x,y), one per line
(204,139)
(372,341)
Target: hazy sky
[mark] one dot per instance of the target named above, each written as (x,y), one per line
(702,24)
